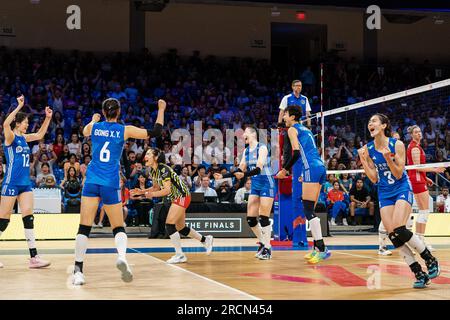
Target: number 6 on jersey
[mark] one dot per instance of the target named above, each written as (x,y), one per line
(105,153)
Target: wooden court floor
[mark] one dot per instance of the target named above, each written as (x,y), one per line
(354,271)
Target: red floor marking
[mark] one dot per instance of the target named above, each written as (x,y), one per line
(341,276)
(282,277)
(404,271)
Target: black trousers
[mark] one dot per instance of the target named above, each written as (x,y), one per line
(159,221)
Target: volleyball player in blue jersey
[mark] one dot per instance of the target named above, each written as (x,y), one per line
(102,181)
(255,163)
(312,174)
(383,160)
(16,183)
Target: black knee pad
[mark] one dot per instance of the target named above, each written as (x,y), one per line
(252,221)
(170,229)
(28,222)
(395,240)
(84,230)
(185,231)
(3,224)
(264,221)
(308,209)
(403,234)
(117,230)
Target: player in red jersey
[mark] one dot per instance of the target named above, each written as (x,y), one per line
(419,180)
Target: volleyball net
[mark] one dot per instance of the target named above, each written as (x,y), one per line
(342,131)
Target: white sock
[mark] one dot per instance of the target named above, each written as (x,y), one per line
(417,244)
(81,243)
(267,235)
(1,233)
(29,236)
(382,236)
(407,254)
(257,230)
(176,241)
(316,230)
(121,241)
(195,235)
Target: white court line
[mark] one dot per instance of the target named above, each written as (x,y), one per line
(392,261)
(200,276)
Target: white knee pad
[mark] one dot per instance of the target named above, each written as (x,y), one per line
(422,217)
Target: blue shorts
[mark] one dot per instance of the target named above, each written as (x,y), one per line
(389,199)
(265,190)
(315,175)
(108,195)
(10,190)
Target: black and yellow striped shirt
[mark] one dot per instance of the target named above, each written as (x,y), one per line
(178,188)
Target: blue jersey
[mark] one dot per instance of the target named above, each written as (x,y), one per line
(251,159)
(107,145)
(17,162)
(387,182)
(309,154)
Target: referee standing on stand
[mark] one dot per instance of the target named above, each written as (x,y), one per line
(293,99)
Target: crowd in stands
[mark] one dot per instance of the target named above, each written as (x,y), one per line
(221,93)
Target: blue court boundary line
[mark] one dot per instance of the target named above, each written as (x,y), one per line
(230,249)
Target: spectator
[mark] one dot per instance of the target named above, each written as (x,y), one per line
(336,203)
(72,163)
(201,172)
(328,185)
(72,183)
(140,203)
(58,145)
(75,145)
(85,150)
(443,201)
(333,164)
(186,178)
(204,188)
(224,192)
(345,183)
(83,167)
(41,179)
(63,157)
(240,194)
(360,198)
(332,149)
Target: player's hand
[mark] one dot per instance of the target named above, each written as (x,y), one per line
(439,170)
(281,174)
(135,192)
(21,101)
(429,182)
(218,176)
(162,104)
(386,153)
(48,112)
(96,117)
(362,154)
(149,195)
(239,175)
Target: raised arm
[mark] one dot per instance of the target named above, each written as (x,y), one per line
(138,133)
(44,127)
(9,134)
(87,130)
